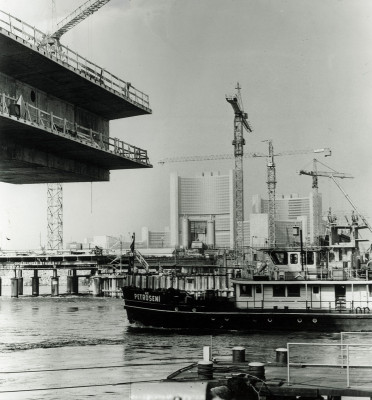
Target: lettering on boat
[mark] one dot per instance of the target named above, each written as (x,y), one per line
(147,297)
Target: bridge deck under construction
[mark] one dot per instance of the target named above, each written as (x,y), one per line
(38,146)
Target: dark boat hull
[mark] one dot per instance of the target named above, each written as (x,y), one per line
(248,321)
(209,316)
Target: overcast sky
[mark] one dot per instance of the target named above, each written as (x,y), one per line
(305,71)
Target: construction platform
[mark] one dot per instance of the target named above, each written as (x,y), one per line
(38,145)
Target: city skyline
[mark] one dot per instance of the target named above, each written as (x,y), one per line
(304,69)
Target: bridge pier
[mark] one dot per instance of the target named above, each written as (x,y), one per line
(35,284)
(97,286)
(20,282)
(14,285)
(72,282)
(54,283)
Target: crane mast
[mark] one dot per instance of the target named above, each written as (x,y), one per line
(271,186)
(55,190)
(240,123)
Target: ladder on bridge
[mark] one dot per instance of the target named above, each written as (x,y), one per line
(141,260)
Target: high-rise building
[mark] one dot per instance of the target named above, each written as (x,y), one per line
(289,208)
(155,239)
(202,209)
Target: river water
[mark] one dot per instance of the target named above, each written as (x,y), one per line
(81,347)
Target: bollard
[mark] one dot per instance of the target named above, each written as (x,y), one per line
(35,284)
(20,282)
(97,286)
(281,355)
(238,354)
(205,370)
(257,370)
(54,284)
(14,287)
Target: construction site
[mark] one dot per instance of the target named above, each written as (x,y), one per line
(54,122)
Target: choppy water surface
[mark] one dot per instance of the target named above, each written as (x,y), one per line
(82,347)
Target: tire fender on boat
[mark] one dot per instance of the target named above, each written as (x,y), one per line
(299,320)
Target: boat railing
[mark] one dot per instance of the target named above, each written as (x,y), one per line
(346,356)
(62,126)
(320,273)
(286,305)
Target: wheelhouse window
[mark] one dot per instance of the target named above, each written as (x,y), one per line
(278,291)
(258,289)
(294,290)
(279,257)
(246,290)
(315,289)
(310,258)
(293,259)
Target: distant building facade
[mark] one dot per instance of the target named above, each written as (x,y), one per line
(289,208)
(155,239)
(202,209)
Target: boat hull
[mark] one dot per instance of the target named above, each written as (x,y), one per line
(174,317)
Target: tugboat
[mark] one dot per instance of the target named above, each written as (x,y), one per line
(324,288)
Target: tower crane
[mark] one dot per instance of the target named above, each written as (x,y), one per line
(240,123)
(55,190)
(333,175)
(77,16)
(271,180)
(315,173)
(271,172)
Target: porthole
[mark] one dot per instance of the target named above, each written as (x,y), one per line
(299,320)
(315,320)
(269,320)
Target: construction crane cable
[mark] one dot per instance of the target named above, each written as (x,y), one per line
(327,166)
(352,204)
